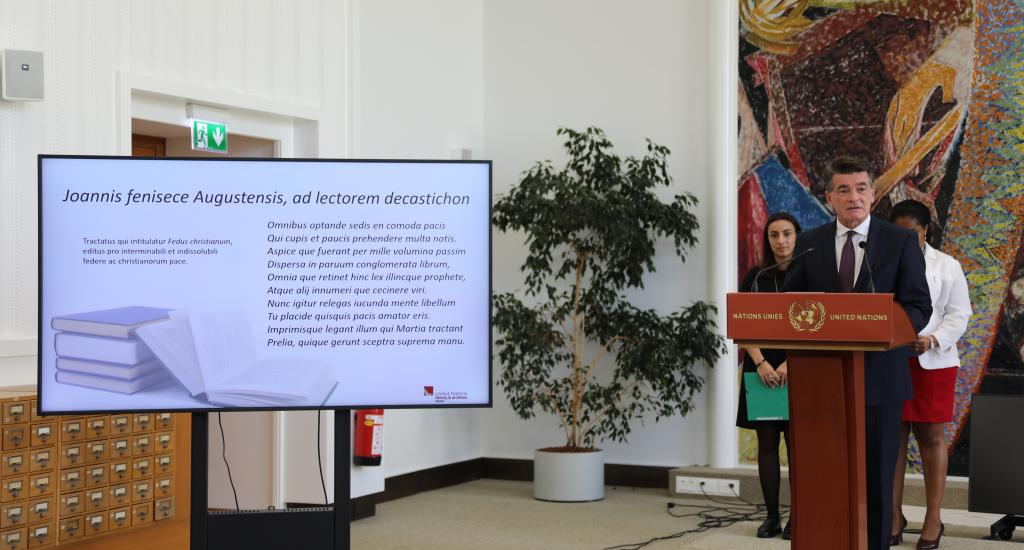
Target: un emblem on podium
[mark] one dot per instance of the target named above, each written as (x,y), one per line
(807,315)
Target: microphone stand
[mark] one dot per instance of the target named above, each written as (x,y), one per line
(754,287)
(867,261)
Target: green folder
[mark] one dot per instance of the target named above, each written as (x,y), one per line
(764,403)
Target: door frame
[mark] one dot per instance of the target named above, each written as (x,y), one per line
(294,129)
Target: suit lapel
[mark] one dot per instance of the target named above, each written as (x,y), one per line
(876,243)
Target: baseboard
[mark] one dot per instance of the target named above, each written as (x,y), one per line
(438,477)
(513,469)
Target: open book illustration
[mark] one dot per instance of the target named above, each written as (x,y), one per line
(213,356)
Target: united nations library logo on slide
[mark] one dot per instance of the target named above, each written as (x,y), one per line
(428,391)
(807,315)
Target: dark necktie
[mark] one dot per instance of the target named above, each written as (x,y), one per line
(847,262)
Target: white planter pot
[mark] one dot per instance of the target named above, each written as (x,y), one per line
(568,477)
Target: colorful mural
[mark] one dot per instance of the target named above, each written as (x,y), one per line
(931,94)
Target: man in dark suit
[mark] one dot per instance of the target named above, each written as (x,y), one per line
(838,263)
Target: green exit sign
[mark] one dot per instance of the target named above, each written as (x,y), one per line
(209,136)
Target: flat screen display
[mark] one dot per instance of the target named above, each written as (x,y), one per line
(194,284)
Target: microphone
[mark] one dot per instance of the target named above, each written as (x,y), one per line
(867,261)
(777,264)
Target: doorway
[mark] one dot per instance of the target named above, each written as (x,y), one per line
(240,459)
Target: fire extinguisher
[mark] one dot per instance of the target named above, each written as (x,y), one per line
(369,437)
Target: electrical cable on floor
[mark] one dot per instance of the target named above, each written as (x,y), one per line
(318,460)
(224,454)
(711,517)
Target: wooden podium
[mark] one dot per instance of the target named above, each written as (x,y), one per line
(825,336)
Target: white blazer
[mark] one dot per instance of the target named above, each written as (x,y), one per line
(951,309)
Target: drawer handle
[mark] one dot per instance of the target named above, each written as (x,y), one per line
(41,508)
(43,458)
(43,432)
(121,445)
(71,525)
(41,533)
(119,517)
(13,539)
(14,514)
(17,410)
(96,496)
(165,440)
(17,436)
(44,482)
(71,503)
(96,521)
(97,474)
(97,426)
(14,488)
(74,428)
(120,492)
(14,463)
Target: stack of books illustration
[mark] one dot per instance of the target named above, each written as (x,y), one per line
(100,350)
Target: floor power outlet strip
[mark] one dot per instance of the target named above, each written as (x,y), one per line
(707,485)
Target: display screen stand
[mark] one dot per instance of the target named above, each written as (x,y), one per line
(322,528)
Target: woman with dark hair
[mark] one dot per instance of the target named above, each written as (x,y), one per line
(933,373)
(770,365)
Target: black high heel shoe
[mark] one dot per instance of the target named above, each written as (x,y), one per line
(925,544)
(787,533)
(769,528)
(898,537)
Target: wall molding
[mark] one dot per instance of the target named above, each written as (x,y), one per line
(19,347)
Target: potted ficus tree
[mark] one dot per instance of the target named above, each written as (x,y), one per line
(570,342)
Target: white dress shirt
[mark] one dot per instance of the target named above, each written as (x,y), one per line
(860,236)
(951,309)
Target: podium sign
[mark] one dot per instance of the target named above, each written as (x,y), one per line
(811,320)
(825,336)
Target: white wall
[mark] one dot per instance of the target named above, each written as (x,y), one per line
(293,53)
(264,49)
(635,69)
(498,77)
(388,79)
(418,77)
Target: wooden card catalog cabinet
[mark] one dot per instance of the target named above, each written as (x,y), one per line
(70,478)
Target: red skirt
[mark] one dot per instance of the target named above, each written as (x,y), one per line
(933,394)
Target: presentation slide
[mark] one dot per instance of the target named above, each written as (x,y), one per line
(180,284)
